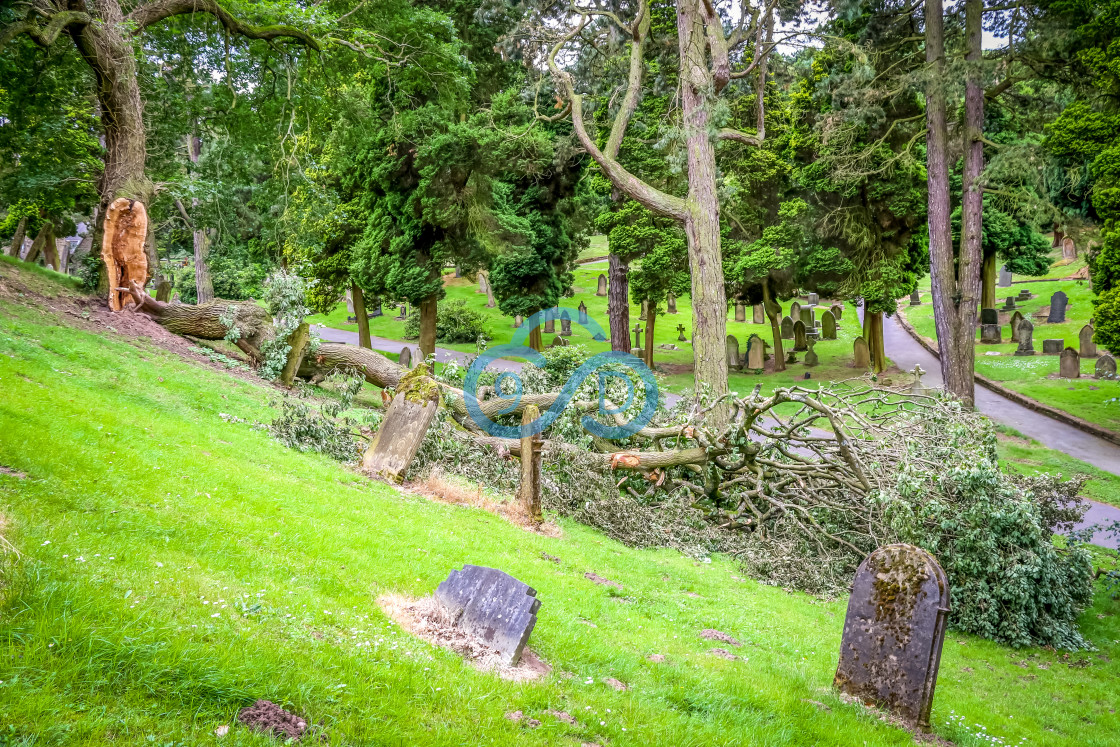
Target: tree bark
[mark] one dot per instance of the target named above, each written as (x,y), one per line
(875,342)
(203,284)
(618,303)
(298,348)
(428,310)
(773,313)
(43,244)
(988,283)
(360,313)
(491,302)
(204,321)
(536,341)
(17,239)
(651,317)
(376,368)
(529,490)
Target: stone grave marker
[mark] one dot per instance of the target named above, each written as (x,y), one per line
(492,606)
(1009,304)
(1085,341)
(862,353)
(733,360)
(991,334)
(814,299)
(756,353)
(795,311)
(1016,320)
(1069,249)
(565,324)
(740,312)
(671,304)
(638,336)
(582,313)
(837,310)
(404,426)
(1024,295)
(1058,303)
(558,342)
(349,302)
(787,328)
(808,317)
(377,311)
(1069,364)
(549,323)
(163,291)
(403,314)
(915,298)
(643,315)
(599,337)
(602,289)
(1106,367)
(811,356)
(799,341)
(518,321)
(1004,277)
(680,334)
(1053,347)
(891,648)
(405,359)
(989,316)
(1026,338)
(759,314)
(828,326)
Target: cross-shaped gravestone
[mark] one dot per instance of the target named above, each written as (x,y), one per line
(680,334)
(638,336)
(492,606)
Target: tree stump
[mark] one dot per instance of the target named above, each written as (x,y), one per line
(122,249)
(298,342)
(529,491)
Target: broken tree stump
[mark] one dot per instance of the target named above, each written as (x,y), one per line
(529,491)
(122,250)
(406,423)
(298,347)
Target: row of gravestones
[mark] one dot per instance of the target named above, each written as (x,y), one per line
(1069,367)
(805,332)
(890,650)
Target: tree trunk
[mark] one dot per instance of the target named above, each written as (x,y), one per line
(17,240)
(988,283)
(529,490)
(773,313)
(204,286)
(618,303)
(361,315)
(298,348)
(875,342)
(490,301)
(1058,235)
(428,309)
(536,341)
(701,224)
(204,321)
(651,317)
(377,369)
(42,245)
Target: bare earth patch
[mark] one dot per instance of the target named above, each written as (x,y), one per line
(438,487)
(714,635)
(616,684)
(723,654)
(12,472)
(268,718)
(601,581)
(426,619)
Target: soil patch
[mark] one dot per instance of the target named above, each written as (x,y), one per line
(723,654)
(439,487)
(268,718)
(714,635)
(426,619)
(601,581)
(12,472)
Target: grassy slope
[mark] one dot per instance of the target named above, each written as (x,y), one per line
(141,503)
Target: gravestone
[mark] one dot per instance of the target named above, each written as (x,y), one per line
(549,323)
(1058,303)
(1069,249)
(518,321)
(558,342)
(791,357)
(377,312)
(599,337)
(1009,304)
(915,298)
(837,310)
(403,314)
(828,326)
(1016,320)
(458,272)
(405,358)
(163,291)
(808,317)
(811,356)
(492,606)
(1106,367)
(1069,364)
(740,312)
(349,302)
(989,316)
(893,632)
(565,324)
(1024,295)
(756,353)
(1004,277)
(680,334)
(759,314)
(799,341)
(602,290)
(671,304)
(404,426)
(991,334)
(1053,347)
(582,313)
(1085,342)
(814,299)
(787,328)
(638,336)
(1026,338)
(862,353)
(733,360)
(643,315)
(795,311)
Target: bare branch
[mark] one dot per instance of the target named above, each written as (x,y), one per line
(43,35)
(159,10)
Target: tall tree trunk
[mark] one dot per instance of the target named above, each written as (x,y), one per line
(875,342)
(428,310)
(490,301)
(954,299)
(203,284)
(361,315)
(773,313)
(536,341)
(988,283)
(701,223)
(618,302)
(43,243)
(651,317)
(17,240)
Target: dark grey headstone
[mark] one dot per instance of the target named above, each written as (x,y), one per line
(405,358)
(1004,277)
(1052,347)
(582,313)
(800,343)
(894,630)
(565,325)
(989,316)
(492,606)
(787,328)
(915,298)
(1009,304)
(1058,303)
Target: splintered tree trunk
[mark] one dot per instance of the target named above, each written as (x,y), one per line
(122,250)
(298,348)
(43,244)
(428,310)
(618,303)
(361,315)
(773,313)
(17,239)
(529,491)
(988,283)
(203,284)
(651,318)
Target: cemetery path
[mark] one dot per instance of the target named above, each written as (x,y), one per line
(906,353)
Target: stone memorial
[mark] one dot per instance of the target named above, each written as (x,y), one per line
(740,312)
(811,356)
(733,360)
(599,337)
(893,632)
(814,299)
(671,304)
(1053,347)
(991,334)
(1069,364)
(638,336)
(1004,277)
(808,317)
(582,313)
(759,314)
(1016,320)
(404,426)
(1009,304)
(837,310)
(163,291)
(1085,342)
(1025,295)
(493,607)
(795,311)
(403,314)
(1069,249)
(1026,338)
(518,321)
(828,326)
(565,324)
(915,298)
(989,316)
(756,353)
(787,328)
(558,342)
(680,334)
(405,358)
(602,289)
(549,323)
(1106,367)
(862,353)
(377,311)
(800,344)
(349,296)
(1058,303)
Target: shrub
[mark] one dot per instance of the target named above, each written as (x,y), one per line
(1106,319)
(323,429)
(456,322)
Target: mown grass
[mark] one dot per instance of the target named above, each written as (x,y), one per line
(177,563)
(1021,454)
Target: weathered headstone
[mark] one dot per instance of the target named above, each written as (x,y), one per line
(795,311)
(405,358)
(759,314)
(518,321)
(377,310)
(582,313)
(1016,320)
(811,357)
(549,323)
(602,289)
(1053,347)
(828,326)
(565,324)
(991,334)
(1026,338)
(1058,303)
(671,304)
(733,360)
(403,314)
(1004,277)
(799,341)
(163,291)
(837,310)
(1085,342)
(787,328)
(558,342)
(740,312)
(404,426)
(1024,295)
(1106,367)
(1069,249)
(861,352)
(756,353)
(644,314)
(458,272)
(638,336)
(680,334)
(1069,364)
(989,316)
(814,299)
(894,630)
(808,317)
(915,298)
(492,606)
(1009,304)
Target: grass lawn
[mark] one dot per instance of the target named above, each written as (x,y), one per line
(1036,376)
(175,564)
(1019,453)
